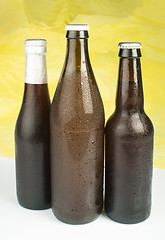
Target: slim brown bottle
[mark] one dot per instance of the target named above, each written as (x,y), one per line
(129,145)
(77,136)
(32,132)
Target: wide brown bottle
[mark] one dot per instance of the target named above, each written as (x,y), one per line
(77,136)
(32,132)
(129,145)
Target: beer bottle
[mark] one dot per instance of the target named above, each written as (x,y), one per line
(77,136)
(129,145)
(32,132)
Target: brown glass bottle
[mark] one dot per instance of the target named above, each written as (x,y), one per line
(77,136)
(32,133)
(129,145)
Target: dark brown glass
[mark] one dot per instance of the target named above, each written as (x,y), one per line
(32,148)
(129,147)
(77,138)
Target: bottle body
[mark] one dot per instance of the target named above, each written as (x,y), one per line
(129,150)
(129,154)
(32,146)
(77,141)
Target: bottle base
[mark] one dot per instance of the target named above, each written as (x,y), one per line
(34,207)
(131,219)
(76,219)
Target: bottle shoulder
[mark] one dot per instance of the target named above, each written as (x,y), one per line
(32,121)
(76,84)
(77,99)
(125,124)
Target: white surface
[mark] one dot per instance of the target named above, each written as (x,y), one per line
(18,223)
(129,45)
(77,27)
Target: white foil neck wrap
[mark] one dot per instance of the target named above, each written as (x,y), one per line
(35,46)
(35,72)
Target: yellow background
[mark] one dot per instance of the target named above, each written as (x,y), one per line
(110,22)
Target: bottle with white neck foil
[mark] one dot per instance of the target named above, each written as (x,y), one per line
(77,136)
(32,132)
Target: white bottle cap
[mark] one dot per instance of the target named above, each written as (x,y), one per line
(35,46)
(129,45)
(77,27)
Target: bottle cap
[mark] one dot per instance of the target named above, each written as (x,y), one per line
(77,27)
(130,49)
(35,46)
(129,45)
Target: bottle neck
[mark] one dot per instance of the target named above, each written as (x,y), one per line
(130,90)
(36,94)
(35,71)
(77,57)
